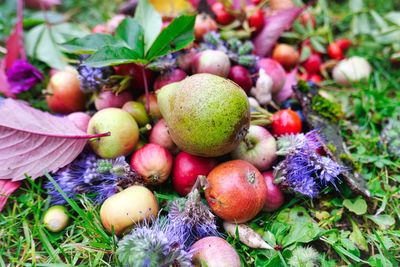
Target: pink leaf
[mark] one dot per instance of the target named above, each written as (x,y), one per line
(15,42)
(4,85)
(33,142)
(275,25)
(287,89)
(7,187)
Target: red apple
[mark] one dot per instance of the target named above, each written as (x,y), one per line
(153,162)
(275,197)
(275,71)
(108,99)
(155,112)
(64,94)
(236,191)
(159,135)
(241,76)
(168,77)
(258,148)
(213,62)
(187,168)
(204,24)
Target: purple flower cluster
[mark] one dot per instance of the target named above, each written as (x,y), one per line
(88,174)
(22,76)
(304,170)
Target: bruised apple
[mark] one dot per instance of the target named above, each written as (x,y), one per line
(64,94)
(236,191)
(132,205)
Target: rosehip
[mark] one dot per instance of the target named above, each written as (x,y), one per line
(313,63)
(256,20)
(335,52)
(221,15)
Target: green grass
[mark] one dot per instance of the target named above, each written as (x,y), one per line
(342,232)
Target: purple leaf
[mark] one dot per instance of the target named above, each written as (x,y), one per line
(287,89)
(7,187)
(275,25)
(33,142)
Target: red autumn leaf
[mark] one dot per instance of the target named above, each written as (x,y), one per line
(287,89)
(275,25)
(33,142)
(7,187)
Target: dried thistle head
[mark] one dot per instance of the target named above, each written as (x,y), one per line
(192,218)
(304,257)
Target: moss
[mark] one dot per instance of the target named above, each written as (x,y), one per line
(303,87)
(332,148)
(348,160)
(327,109)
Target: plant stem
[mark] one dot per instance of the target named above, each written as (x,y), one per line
(146,89)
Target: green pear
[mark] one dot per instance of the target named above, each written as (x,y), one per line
(206,115)
(123,128)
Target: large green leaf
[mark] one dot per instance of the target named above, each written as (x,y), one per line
(176,36)
(131,32)
(113,55)
(150,20)
(89,44)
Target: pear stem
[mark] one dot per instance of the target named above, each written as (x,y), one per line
(146,89)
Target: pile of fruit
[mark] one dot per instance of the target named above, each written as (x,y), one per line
(216,119)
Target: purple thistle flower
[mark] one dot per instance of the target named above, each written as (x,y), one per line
(88,174)
(304,170)
(22,76)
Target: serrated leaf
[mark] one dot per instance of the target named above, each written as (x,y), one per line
(113,55)
(88,44)
(150,20)
(357,206)
(131,32)
(48,51)
(317,45)
(33,142)
(178,34)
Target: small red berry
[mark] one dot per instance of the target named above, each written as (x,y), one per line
(343,43)
(221,15)
(315,78)
(256,20)
(335,52)
(313,63)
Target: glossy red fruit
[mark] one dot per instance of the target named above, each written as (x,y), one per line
(256,2)
(313,63)
(286,55)
(344,43)
(236,191)
(171,76)
(286,121)
(187,168)
(221,15)
(335,52)
(159,135)
(135,71)
(204,24)
(304,76)
(241,76)
(275,197)
(153,162)
(315,78)
(257,20)
(307,18)
(64,94)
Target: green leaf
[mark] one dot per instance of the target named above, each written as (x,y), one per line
(113,55)
(384,221)
(317,45)
(89,44)
(357,237)
(358,205)
(150,20)
(393,17)
(176,36)
(130,31)
(356,5)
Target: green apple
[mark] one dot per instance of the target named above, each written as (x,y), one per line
(137,111)
(123,128)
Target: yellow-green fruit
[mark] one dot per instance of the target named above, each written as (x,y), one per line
(56,219)
(206,115)
(128,207)
(123,128)
(137,111)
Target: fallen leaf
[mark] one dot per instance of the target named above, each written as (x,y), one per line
(287,89)
(275,25)
(7,187)
(358,205)
(33,142)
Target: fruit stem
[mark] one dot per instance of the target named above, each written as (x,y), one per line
(145,129)
(146,89)
(261,117)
